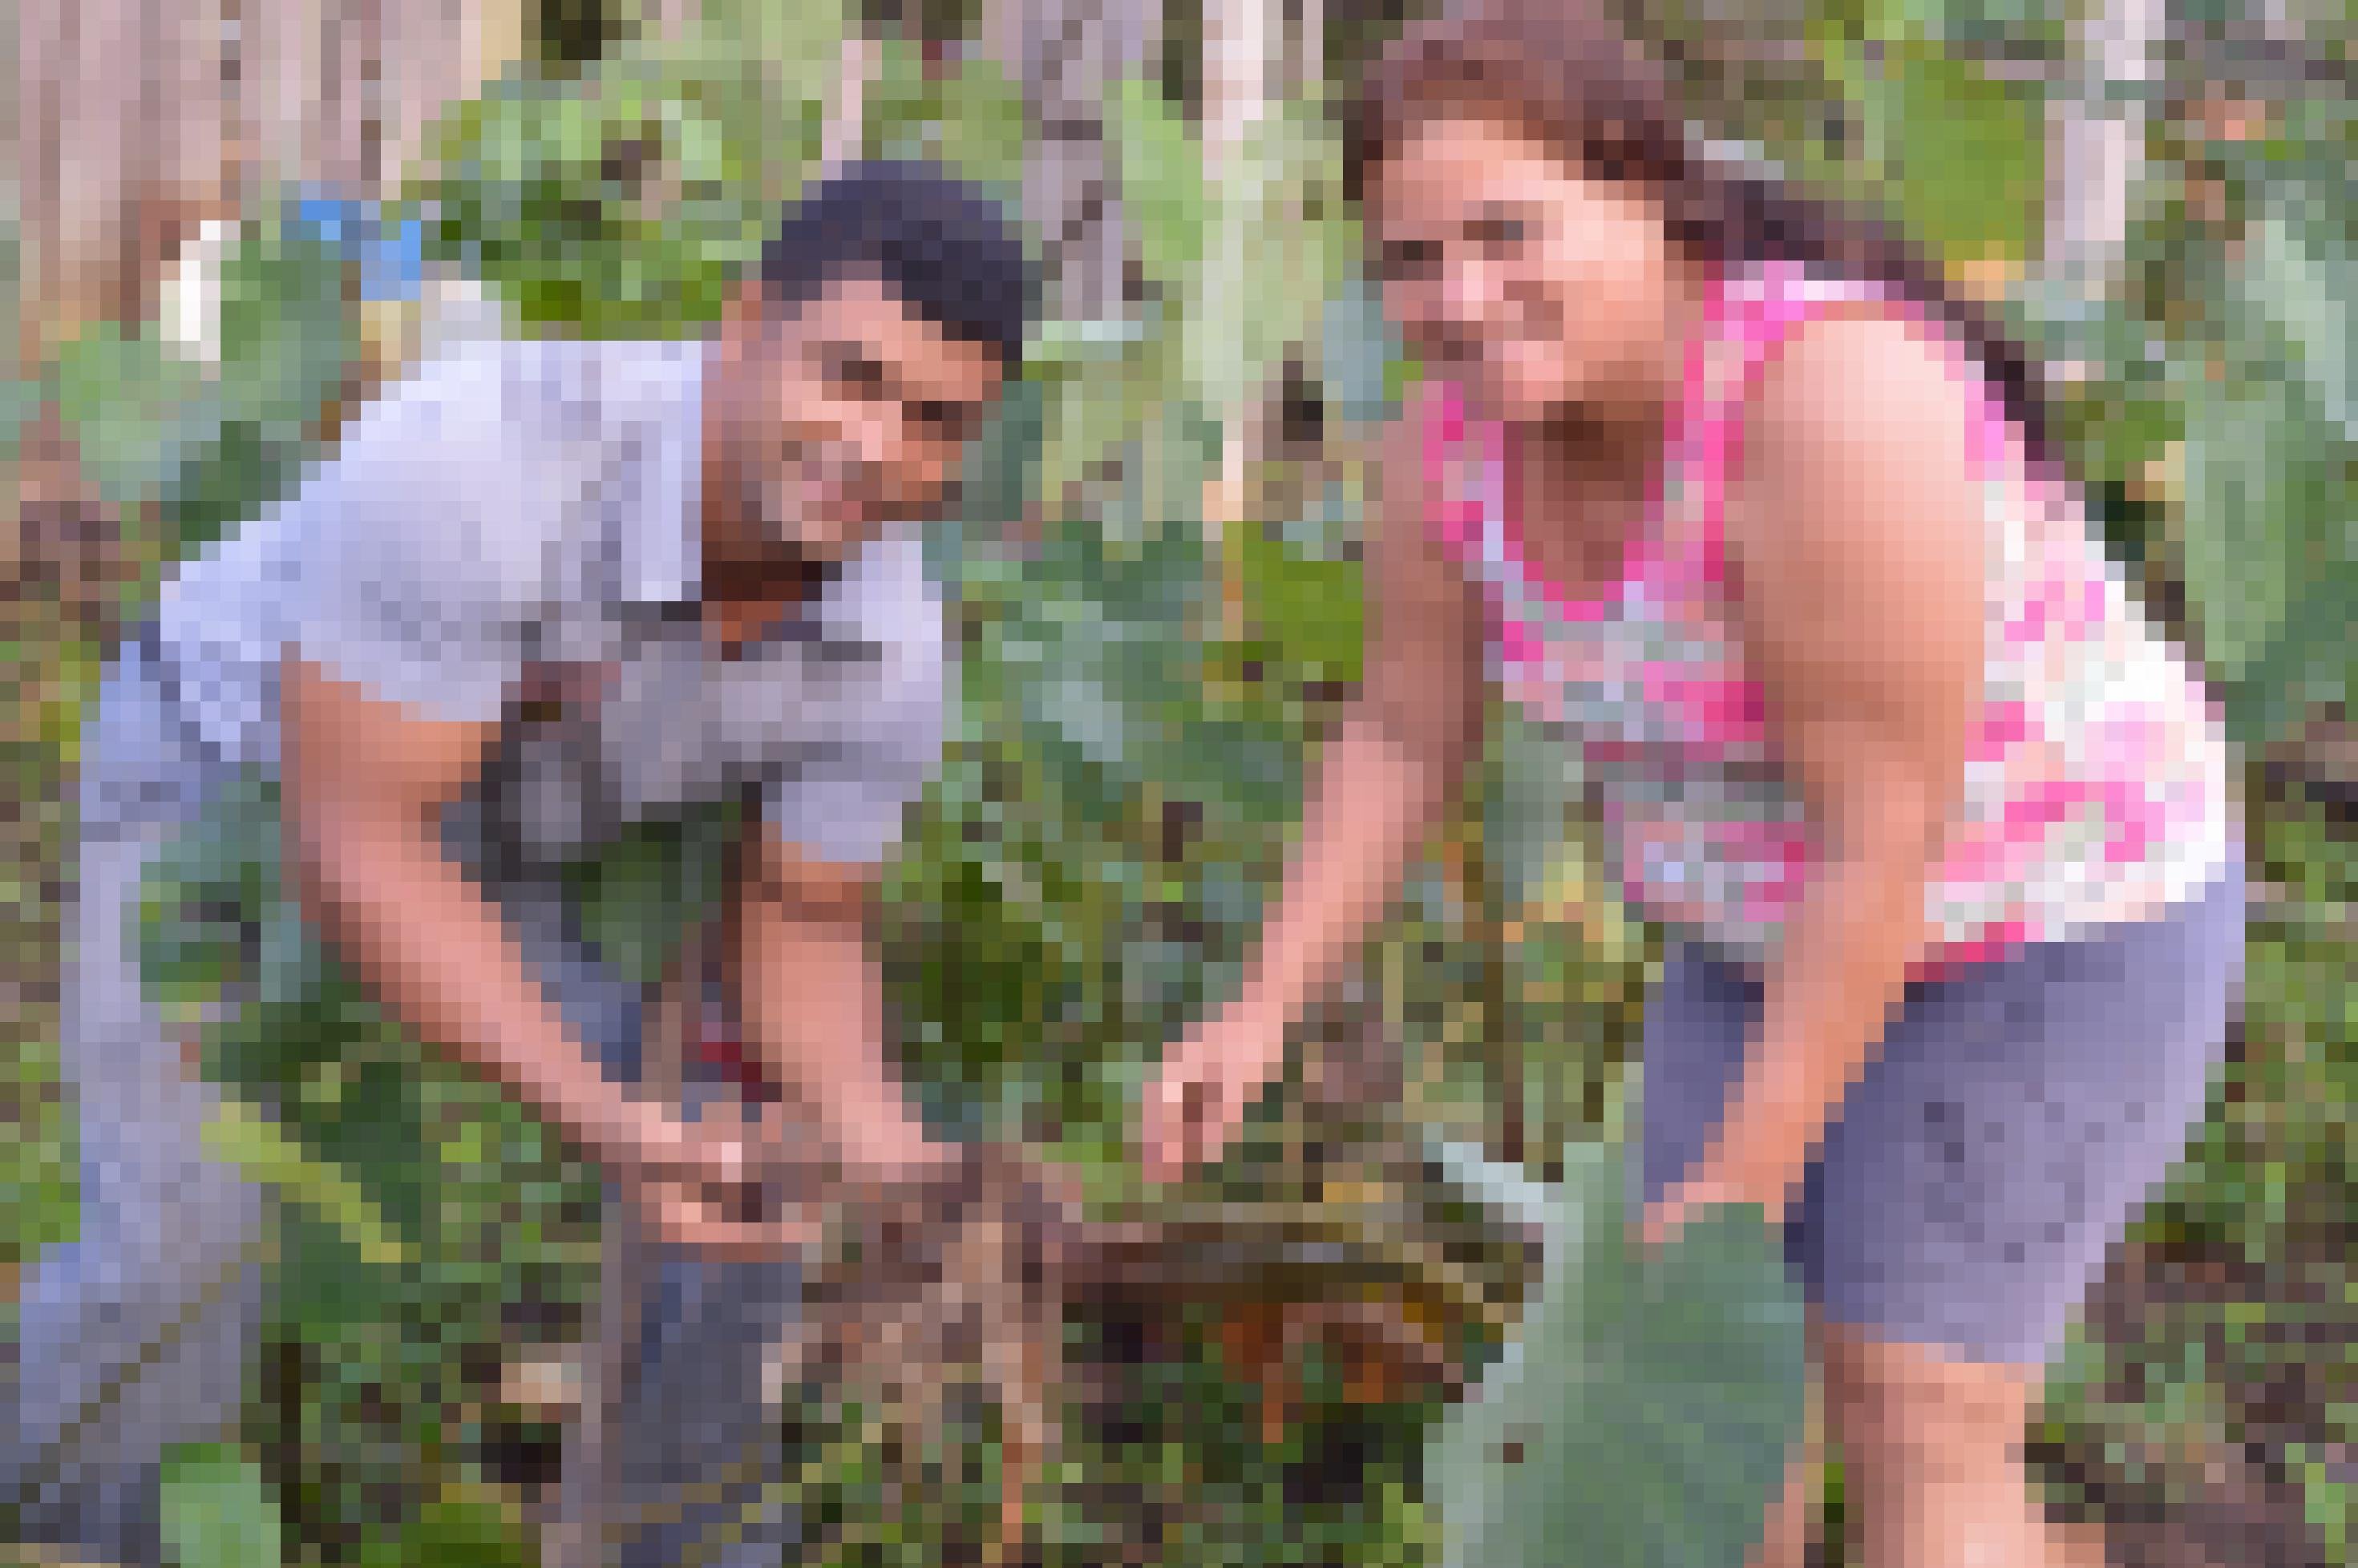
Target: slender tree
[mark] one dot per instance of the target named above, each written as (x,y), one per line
(2097,150)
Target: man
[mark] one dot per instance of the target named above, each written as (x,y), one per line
(543,591)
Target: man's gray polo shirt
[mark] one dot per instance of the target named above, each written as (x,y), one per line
(518,513)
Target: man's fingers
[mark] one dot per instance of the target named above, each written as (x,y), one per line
(728,1221)
(736,1240)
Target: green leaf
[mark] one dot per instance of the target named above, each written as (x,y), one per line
(1647,1413)
(2312,664)
(800,43)
(247,1138)
(2238,543)
(1277,247)
(970,118)
(1962,154)
(1311,609)
(1161,171)
(463,1528)
(626,201)
(217,1513)
(640,895)
(2303,280)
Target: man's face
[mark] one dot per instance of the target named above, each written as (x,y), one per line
(852,412)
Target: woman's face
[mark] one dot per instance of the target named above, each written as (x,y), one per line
(1541,289)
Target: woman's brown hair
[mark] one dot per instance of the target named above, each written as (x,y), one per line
(1566,74)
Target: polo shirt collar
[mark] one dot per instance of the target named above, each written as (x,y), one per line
(660,549)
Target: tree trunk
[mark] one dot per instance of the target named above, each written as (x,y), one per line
(1238,39)
(1067,54)
(847,111)
(2097,149)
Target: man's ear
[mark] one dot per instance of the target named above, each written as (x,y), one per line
(754,317)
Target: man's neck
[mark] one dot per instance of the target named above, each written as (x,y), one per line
(748,584)
(745,600)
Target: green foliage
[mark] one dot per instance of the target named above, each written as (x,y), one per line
(1276,246)
(463,1527)
(2230,350)
(614,203)
(216,1511)
(2272,469)
(1242,267)
(1958,155)
(1162,178)
(242,1137)
(209,445)
(639,898)
(1647,1413)
(1096,837)
(2281,1139)
(423,1206)
(627,200)
(967,117)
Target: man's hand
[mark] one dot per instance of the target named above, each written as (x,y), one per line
(728,1187)
(1194,1106)
(730,1224)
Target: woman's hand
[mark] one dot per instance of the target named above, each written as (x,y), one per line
(1707,1188)
(1194,1105)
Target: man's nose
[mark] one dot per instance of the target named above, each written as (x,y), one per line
(871,438)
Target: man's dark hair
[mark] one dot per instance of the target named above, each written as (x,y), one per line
(947,250)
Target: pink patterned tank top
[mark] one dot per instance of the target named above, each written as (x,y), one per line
(2096,785)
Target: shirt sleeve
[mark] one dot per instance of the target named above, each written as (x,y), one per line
(426,545)
(848,800)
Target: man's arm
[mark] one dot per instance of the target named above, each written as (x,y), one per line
(365,784)
(812,994)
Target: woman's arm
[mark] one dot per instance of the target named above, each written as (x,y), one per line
(1859,537)
(1380,782)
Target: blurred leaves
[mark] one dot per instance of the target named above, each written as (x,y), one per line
(2270,452)
(625,199)
(1958,155)
(217,1513)
(1162,178)
(966,116)
(244,1137)
(424,1208)
(2258,360)
(1241,268)
(211,445)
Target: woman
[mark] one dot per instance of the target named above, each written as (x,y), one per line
(1737,496)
